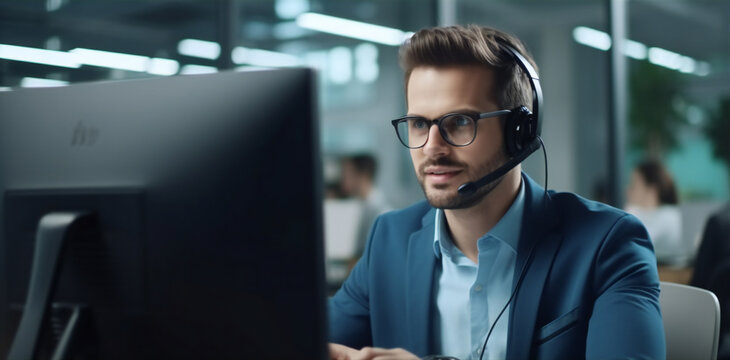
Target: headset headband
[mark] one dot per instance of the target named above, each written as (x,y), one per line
(534,84)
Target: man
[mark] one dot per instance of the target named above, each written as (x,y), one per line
(506,269)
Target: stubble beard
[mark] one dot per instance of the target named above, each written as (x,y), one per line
(453,200)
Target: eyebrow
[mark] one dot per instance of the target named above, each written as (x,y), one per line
(461,111)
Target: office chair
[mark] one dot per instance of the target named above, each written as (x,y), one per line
(691,321)
(721,287)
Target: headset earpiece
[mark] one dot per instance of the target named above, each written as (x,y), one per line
(519,130)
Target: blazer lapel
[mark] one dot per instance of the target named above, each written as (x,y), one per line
(539,241)
(420,266)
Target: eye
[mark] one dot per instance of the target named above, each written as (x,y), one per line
(458,122)
(461,121)
(418,123)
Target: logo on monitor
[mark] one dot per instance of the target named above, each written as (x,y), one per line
(84,135)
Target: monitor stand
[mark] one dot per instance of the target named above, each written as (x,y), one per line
(54,230)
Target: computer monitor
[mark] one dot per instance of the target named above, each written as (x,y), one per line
(197,207)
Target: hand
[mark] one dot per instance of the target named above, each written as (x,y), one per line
(341,352)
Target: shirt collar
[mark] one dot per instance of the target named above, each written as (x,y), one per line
(507,229)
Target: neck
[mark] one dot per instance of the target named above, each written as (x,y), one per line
(468,225)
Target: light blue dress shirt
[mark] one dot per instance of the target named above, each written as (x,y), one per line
(470,296)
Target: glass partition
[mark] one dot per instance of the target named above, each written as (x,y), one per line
(678,117)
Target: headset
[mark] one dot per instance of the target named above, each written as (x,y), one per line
(521,128)
(521,138)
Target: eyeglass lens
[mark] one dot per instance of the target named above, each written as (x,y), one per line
(458,130)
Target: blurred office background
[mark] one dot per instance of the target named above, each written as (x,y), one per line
(663,93)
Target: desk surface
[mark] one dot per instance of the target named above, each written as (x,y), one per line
(679,275)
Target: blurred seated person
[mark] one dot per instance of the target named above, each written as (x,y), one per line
(358,181)
(714,249)
(712,269)
(332,191)
(652,197)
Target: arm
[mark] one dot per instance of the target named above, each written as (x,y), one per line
(626,320)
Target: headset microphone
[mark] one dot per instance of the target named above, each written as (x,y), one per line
(472,186)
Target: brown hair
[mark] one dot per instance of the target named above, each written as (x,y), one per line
(655,174)
(472,45)
(364,164)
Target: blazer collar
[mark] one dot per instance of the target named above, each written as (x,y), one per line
(421,266)
(539,238)
(538,245)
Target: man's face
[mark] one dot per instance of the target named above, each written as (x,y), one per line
(440,167)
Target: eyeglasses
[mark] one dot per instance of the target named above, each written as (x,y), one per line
(457,129)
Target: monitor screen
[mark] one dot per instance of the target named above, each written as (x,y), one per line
(205,199)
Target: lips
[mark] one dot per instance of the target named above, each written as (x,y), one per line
(439,175)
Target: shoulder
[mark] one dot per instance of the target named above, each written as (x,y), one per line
(575,210)
(569,213)
(391,232)
(413,216)
(594,227)
(607,248)
(722,216)
(717,226)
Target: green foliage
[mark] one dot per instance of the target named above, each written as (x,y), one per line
(654,120)
(718,131)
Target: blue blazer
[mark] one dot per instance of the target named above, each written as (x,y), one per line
(590,290)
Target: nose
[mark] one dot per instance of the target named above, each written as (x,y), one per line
(435,146)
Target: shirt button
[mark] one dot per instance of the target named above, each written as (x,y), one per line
(478,288)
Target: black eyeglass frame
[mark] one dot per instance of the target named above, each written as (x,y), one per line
(474,116)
